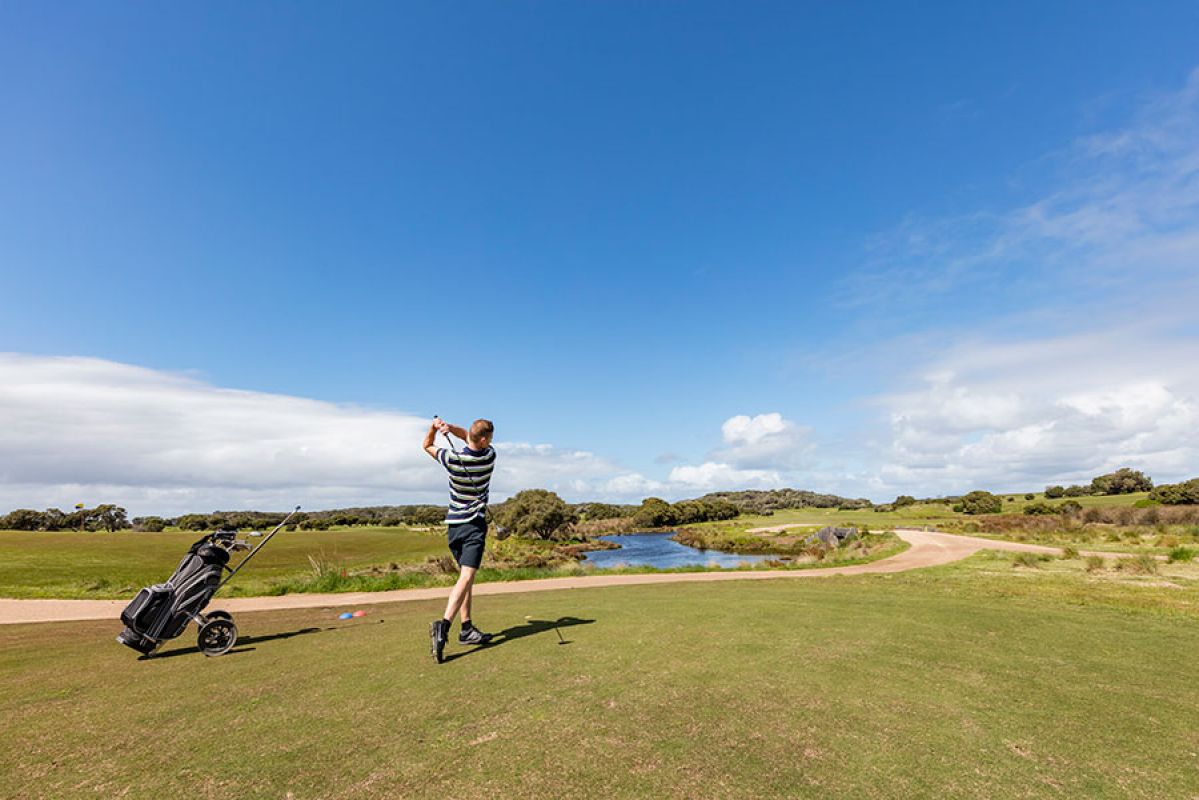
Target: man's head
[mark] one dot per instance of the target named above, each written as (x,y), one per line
(479,435)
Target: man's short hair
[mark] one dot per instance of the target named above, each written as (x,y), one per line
(482,428)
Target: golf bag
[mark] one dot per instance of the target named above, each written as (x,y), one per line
(161,612)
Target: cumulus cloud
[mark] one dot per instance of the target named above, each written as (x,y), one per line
(758,452)
(1096,369)
(714,476)
(90,430)
(1058,409)
(762,442)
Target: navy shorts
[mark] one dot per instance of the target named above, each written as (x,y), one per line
(467,541)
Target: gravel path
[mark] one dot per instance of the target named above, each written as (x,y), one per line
(928,549)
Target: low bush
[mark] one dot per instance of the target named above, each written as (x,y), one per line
(1030,560)
(1094,563)
(979,502)
(1181,555)
(1069,551)
(1138,565)
(1185,493)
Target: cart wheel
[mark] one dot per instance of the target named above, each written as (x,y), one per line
(217,636)
(219,615)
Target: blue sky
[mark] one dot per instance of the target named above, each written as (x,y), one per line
(614,228)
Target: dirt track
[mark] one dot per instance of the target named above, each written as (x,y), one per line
(927,549)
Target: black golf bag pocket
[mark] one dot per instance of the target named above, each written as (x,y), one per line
(145,609)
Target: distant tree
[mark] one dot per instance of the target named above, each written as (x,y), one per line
(53,520)
(979,502)
(1077,491)
(537,514)
(108,517)
(193,522)
(655,513)
(425,515)
(1042,508)
(1174,494)
(592,511)
(149,524)
(855,504)
(1123,481)
(1054,492)
(22,519)
(904,500)
(1029,496)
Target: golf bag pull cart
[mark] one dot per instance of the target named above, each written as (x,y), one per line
(161,612)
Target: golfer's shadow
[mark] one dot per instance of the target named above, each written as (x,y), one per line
(530,628)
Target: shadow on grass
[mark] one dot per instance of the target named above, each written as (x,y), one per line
(530,628)
(243,641)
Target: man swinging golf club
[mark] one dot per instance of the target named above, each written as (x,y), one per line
(470,475)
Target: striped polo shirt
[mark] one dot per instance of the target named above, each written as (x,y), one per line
(470,477)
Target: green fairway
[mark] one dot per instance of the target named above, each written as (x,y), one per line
(974,680)
(115,565)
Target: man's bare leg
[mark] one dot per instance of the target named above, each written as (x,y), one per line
(464,612)
(460,596)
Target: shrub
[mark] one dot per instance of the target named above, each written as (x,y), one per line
(904,500)
(1077,491)
(1174,494)
(538,514)
(1181,555)
(1069,551)
(23,519)
(979,503)
(150,524)
(1094,563)
(1029,496)
(1041,508)
(193,522)
(1070,507)
(1138,565)
(1030,560)
(1054,492)
(1122,481)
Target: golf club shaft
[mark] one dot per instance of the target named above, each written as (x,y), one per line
(486,508)
(261,545)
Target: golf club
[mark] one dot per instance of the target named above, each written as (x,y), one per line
(501,533)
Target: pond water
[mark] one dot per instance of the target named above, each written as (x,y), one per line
(657,550)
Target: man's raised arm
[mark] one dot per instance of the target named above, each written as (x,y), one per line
(454,429)
(431,448)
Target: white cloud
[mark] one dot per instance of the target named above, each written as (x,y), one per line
(715,476)
(1021,415)
(89,430)
(1119,216)
(766,441)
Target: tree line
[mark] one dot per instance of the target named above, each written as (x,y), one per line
(105,517)
(539,513)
